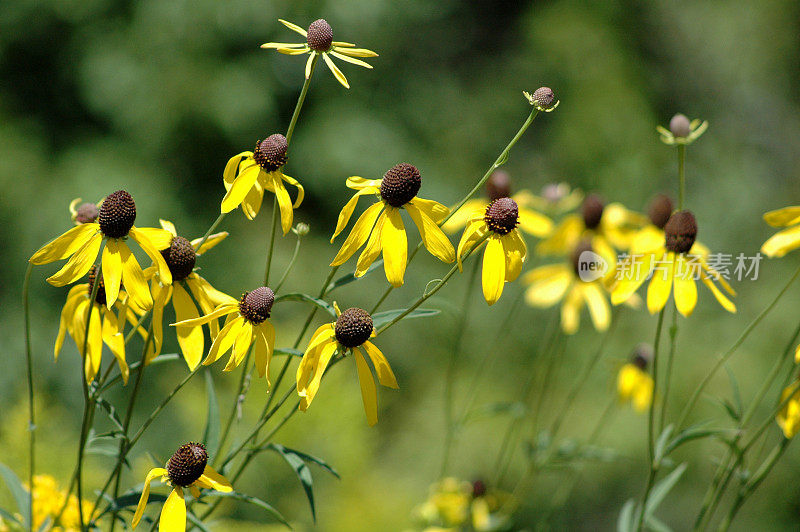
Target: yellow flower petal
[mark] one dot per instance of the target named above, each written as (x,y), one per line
(720,297)
(173,514)
(224,340)
(218,312)
(631,274)
(564,238)
(336,72)
(293,27)
(433,238)
(233,165)
(76,294)
(265,342)
(160,238)
(301,192)
(685,287)
(462,216)
(599,309)
(384,371)
(79,264)
(65,245)
(111,271)
(783,217)
(371,250)
(155,255)
(284,202)
(115,341)
(308,393)
(161,296)
(661,284)
(648,240)
(368,392)
(240,347)
(358,52)
(94,351)
(534,223)
(133,277)
(308,364)
(473,233)
(241,186)
(359,234)
(547,290)
(571,309)
(782,242)
(251,204)
(190,339)
(269,45)
(168,226)
(213,480)
(516,251)
(352,60)
(358,183)
(210,242)
(789,417)
(494,270)
(137,516)
(395,246)
(347,211)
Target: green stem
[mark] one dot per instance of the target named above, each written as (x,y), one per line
(275,212)
(673,332)
(300,101)
(651,425)
(210,229)
(236,401)
(289,266)
(26,310)
(451,370)
(681,174)
(724,358)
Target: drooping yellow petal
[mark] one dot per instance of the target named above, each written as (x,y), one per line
(547,290)
(65,245)
(782,242)
(76,294)
(210,242)
(599,309)
(94,350)
(395,246)
(161,296)
(789,416)
(284,202)
(685,287)
(720,297)
(462,216)
(535,223)
(224,340)
(571,309)
(240,347)
(631,273)
(335,70)
(111,271)
(160,238)
(251,204)
(494,270)
(113,338)
(301,192)
(347,210)
(661,284)
(473,233)
(210,479)
(516,251)
(371,250)
(221,310)
(797,354)
(308,364)
(648,240)
(433,238)
(564,237)
(265,342)
(359,234)
(133,277)
(358,183)
(783,217)
(79,264)
(308,393)
(155,255)
(241,186)
(382,369)
(368,392)
(232,166)
(190,339)
(173,514)
(137,516)
(168,226)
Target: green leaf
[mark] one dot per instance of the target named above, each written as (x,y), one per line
(307,457)
(212,430)
(324,305)
(20,494)
(297,461)
(110,411)
(7,516)
(737,396)
(661,443)
(625,521)
(661,489)
(656,525)
(514,409)
(288,351)
(349,278)
(382,318)
(254,501)
(694,432)
(129,500)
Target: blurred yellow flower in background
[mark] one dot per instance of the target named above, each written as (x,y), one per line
(48,500)
(789,417)
(785,240)
(634,383)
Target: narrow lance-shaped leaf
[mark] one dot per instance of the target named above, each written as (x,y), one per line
(211,433)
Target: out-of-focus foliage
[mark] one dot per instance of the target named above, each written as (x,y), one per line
(155,95)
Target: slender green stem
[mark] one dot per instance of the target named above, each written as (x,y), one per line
(681,175)
(26,310)
(211,229)
(237,398)
(289,266)
(300,101)
(724,358)
(651,423)
(449,424)
(270,249)
(673,333)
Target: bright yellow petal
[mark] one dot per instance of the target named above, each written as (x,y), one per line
(173,514)
(351,60)
(76,294)
(190,339)
(473,233)
(395,246)
(241,186)
(133,277)
(221,310)
(347,211)
(783,217)
(384,371)
(661,284)
(564,238)
(359,234)
(111,271)
(547,290)
(336,72)
(599,309)
(782,242)
(308,393)
(571,309)
(224,340)
(156,472)
(251,204)
(210,242)
(65,245)
(240,347)
(168,226)
(685,287)
(368,392)
(293,27)
(358,52)
(358,183)
(265,343)
(160,238)
(371,250)
(79,264)
(534,223)
(648,240)
(494,270)
(273,45)
(433,238)
(462,216)
(155,255)
(720,297)
(213,480)
(516,251)
(94,351)
(115,341)
(631,273)
(301,192)
(284,202)
(233,165)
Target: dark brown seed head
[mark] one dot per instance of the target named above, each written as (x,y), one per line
(86,213)
(101,288)
(353,327)
(502,215)
(660,210)
(187,464)
(255,306)
(270,153)
(478,488)
(680,126)
(400,184)
(592,210)
(642,356)
(320,36)
(544,97)
(582,247)
(117,214)
(680,232)
(499,185)
(180,257)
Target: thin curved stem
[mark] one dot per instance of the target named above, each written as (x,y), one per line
(300,100)
(211,229)
(289,266)
(681,174)
(673,332)
(271,247)
(26,310)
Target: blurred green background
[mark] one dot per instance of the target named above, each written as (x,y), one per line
(154,95)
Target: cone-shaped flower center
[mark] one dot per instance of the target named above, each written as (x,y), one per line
(101,289)
(499,185)
(478,488)
(86,213)
(320,36)
(680,126)
(353,327)
(660,210)
(255,306)
(187,464)
(270,153)
(592,210)
(502,215)
(544,97)
(117,214)
(680,232)
(642,356)
(180,257)
(400,184)
(578,257)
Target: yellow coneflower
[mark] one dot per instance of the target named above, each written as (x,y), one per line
(785,240)
(634,383)
(574,284)
(246,323)
(381,227)
(319,41)
(187,468)
(672,264)
(81,244)
(105,327)
(789,417)
(248,174)
(505,249)
(48,500)
(181,256)
(499,186)
(351,331)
